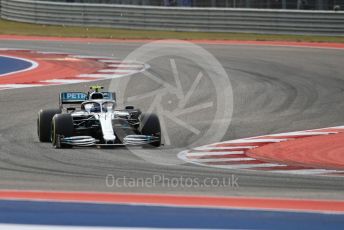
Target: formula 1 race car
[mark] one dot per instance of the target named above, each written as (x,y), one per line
(91,119)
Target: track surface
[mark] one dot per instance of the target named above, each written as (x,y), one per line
(276,89)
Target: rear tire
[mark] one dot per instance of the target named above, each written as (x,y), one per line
(150,126)
(44,123)
(62,126)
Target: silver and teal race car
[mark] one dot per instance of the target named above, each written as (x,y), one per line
(92,119)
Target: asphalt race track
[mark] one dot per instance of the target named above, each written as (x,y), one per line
(275,89)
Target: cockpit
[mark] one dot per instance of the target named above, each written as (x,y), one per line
(98,107)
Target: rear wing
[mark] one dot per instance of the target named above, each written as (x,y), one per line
(72,98)
(80,97)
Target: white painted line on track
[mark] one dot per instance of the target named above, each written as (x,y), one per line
(286,133)
(240,141)
(66,81)
(104,76)
(117,71)
(13,49)
(304,133)
(91,57)
(243,166)
(20,85)
(110,61)
(335,127)
(224,160)
(126,65)
(194,154)
(307,171)
(224,148)
(48,52)
(108,76)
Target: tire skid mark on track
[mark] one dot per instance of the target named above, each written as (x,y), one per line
(91,68)
(235,154)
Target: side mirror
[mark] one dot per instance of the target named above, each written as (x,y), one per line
(70,109)
(129,107)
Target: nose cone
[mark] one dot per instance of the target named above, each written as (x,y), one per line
(107,129)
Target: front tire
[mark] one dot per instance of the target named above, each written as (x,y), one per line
(150,126)
(62,126)
(44,123)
